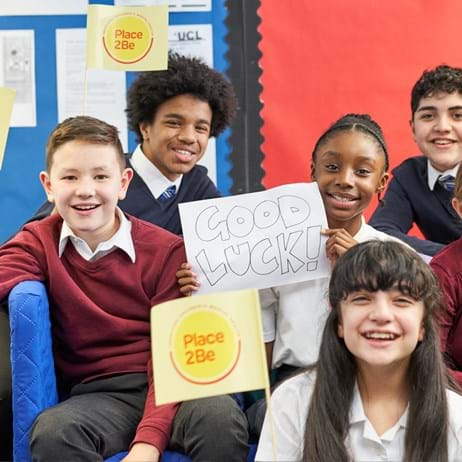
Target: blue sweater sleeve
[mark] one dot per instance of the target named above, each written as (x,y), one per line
(395,216)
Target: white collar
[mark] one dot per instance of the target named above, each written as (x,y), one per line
(434,174)
(151,175)
(361,230)
(358,416)
(122,239)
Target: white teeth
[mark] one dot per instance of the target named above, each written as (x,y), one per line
(182,152)
(85,207)
(442,142)
(380,335)
(342,199)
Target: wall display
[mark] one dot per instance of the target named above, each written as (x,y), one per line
(173,5)
(43,7)
(17,70)
(105,90)
(54,43)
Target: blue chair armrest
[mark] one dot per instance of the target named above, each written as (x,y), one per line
(32,367)
(32,363)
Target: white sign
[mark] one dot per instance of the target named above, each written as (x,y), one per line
(256,240)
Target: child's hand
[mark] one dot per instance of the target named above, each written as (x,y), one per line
(187,280)
(142,452)
(338,243)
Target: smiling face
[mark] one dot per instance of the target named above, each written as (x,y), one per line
(177,137)
(437,129)
(349,170)
(381,328)
(85,182)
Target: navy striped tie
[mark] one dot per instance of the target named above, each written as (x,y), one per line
(168,193)
(448,182)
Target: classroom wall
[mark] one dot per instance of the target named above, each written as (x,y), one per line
(20,191)
(321,60)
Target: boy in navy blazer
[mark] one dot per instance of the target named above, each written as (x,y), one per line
(421,189)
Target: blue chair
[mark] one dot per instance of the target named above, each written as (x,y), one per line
(33,372)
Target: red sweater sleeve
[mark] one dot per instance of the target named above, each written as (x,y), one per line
(21,259)
(447,318)
(155,426)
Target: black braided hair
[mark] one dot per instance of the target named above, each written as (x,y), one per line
(361,122)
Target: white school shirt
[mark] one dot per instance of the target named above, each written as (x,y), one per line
(290,403)
(294,315)
(155,180)
(433,174)
(122,239)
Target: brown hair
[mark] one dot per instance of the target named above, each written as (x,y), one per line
(87,130)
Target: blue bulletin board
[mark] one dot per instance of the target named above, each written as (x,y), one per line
(20,190)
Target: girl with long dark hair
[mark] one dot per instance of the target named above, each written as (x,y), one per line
(379,390)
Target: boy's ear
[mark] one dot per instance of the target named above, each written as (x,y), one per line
(46,183)
(457,205)
(411,124)
(127,175)
(144,130)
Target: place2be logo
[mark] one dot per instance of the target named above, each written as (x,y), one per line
(204,345)
(128,38)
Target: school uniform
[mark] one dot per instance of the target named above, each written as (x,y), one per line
(294,315)
(290,405)
(447,266)
(213,428)
(415,195)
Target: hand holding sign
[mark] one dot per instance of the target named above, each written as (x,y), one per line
(256,240)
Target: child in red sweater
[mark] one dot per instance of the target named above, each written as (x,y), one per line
(104,270)
(448,267)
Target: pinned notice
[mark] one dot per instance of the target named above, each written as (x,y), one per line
(256,240)
(127,38)
(6,103)
(207,345)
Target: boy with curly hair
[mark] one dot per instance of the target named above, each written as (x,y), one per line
(421,189)
(174,113)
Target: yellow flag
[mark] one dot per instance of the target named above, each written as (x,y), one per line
(208,345)
(127,38)
(6,105)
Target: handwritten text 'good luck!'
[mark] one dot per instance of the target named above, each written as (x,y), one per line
(288,251)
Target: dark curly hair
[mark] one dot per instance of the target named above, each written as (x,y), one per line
(185,75)
(442,79)
(361,122)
